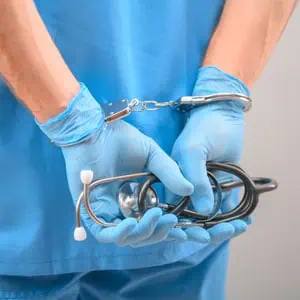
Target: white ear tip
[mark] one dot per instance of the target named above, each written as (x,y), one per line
(86,176)
(79,234)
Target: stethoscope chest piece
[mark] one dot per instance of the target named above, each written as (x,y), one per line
(127,199)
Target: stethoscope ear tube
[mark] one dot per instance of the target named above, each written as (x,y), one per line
(143,189)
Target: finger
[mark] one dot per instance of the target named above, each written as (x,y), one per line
(166,169)
(240,227)
(249,220)
(171,197)
(177,234)
(221,232)
(230,199)
(198,234)
(165,225)
(145,227)
(114,234)
(194,168)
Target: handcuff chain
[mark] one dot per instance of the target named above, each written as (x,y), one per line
(149,105)
(136,105)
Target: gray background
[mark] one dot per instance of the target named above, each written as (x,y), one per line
(265,262)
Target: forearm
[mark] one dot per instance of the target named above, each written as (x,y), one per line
(30,62)
(246,35)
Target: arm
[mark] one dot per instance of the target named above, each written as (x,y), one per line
(30,62)
(243,41)
(246,35)
(71,118)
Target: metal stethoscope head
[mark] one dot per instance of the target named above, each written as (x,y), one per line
(135,198)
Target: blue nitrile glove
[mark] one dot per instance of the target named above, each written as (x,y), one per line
(213,132)
(111,150)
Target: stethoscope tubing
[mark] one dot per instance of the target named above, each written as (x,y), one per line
(253,187)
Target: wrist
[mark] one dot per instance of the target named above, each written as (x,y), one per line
(82,117)
(212,80)
(54,101)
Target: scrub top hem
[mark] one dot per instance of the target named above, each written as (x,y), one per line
(104,262)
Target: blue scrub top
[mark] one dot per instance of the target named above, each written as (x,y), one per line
(149,49)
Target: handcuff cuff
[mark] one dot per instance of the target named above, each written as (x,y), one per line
(135,198)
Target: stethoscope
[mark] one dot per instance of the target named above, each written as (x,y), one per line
(135,198)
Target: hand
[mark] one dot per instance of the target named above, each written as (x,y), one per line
(115,150)
(213,132)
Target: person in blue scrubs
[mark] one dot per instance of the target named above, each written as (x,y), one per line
(61,63)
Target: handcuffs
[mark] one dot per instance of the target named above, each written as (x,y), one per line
(183,104)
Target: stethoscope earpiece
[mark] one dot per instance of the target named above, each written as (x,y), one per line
(86,176)
(79,234)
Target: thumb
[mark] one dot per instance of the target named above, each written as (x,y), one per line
(231,198)
(168,172)
(194,168)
